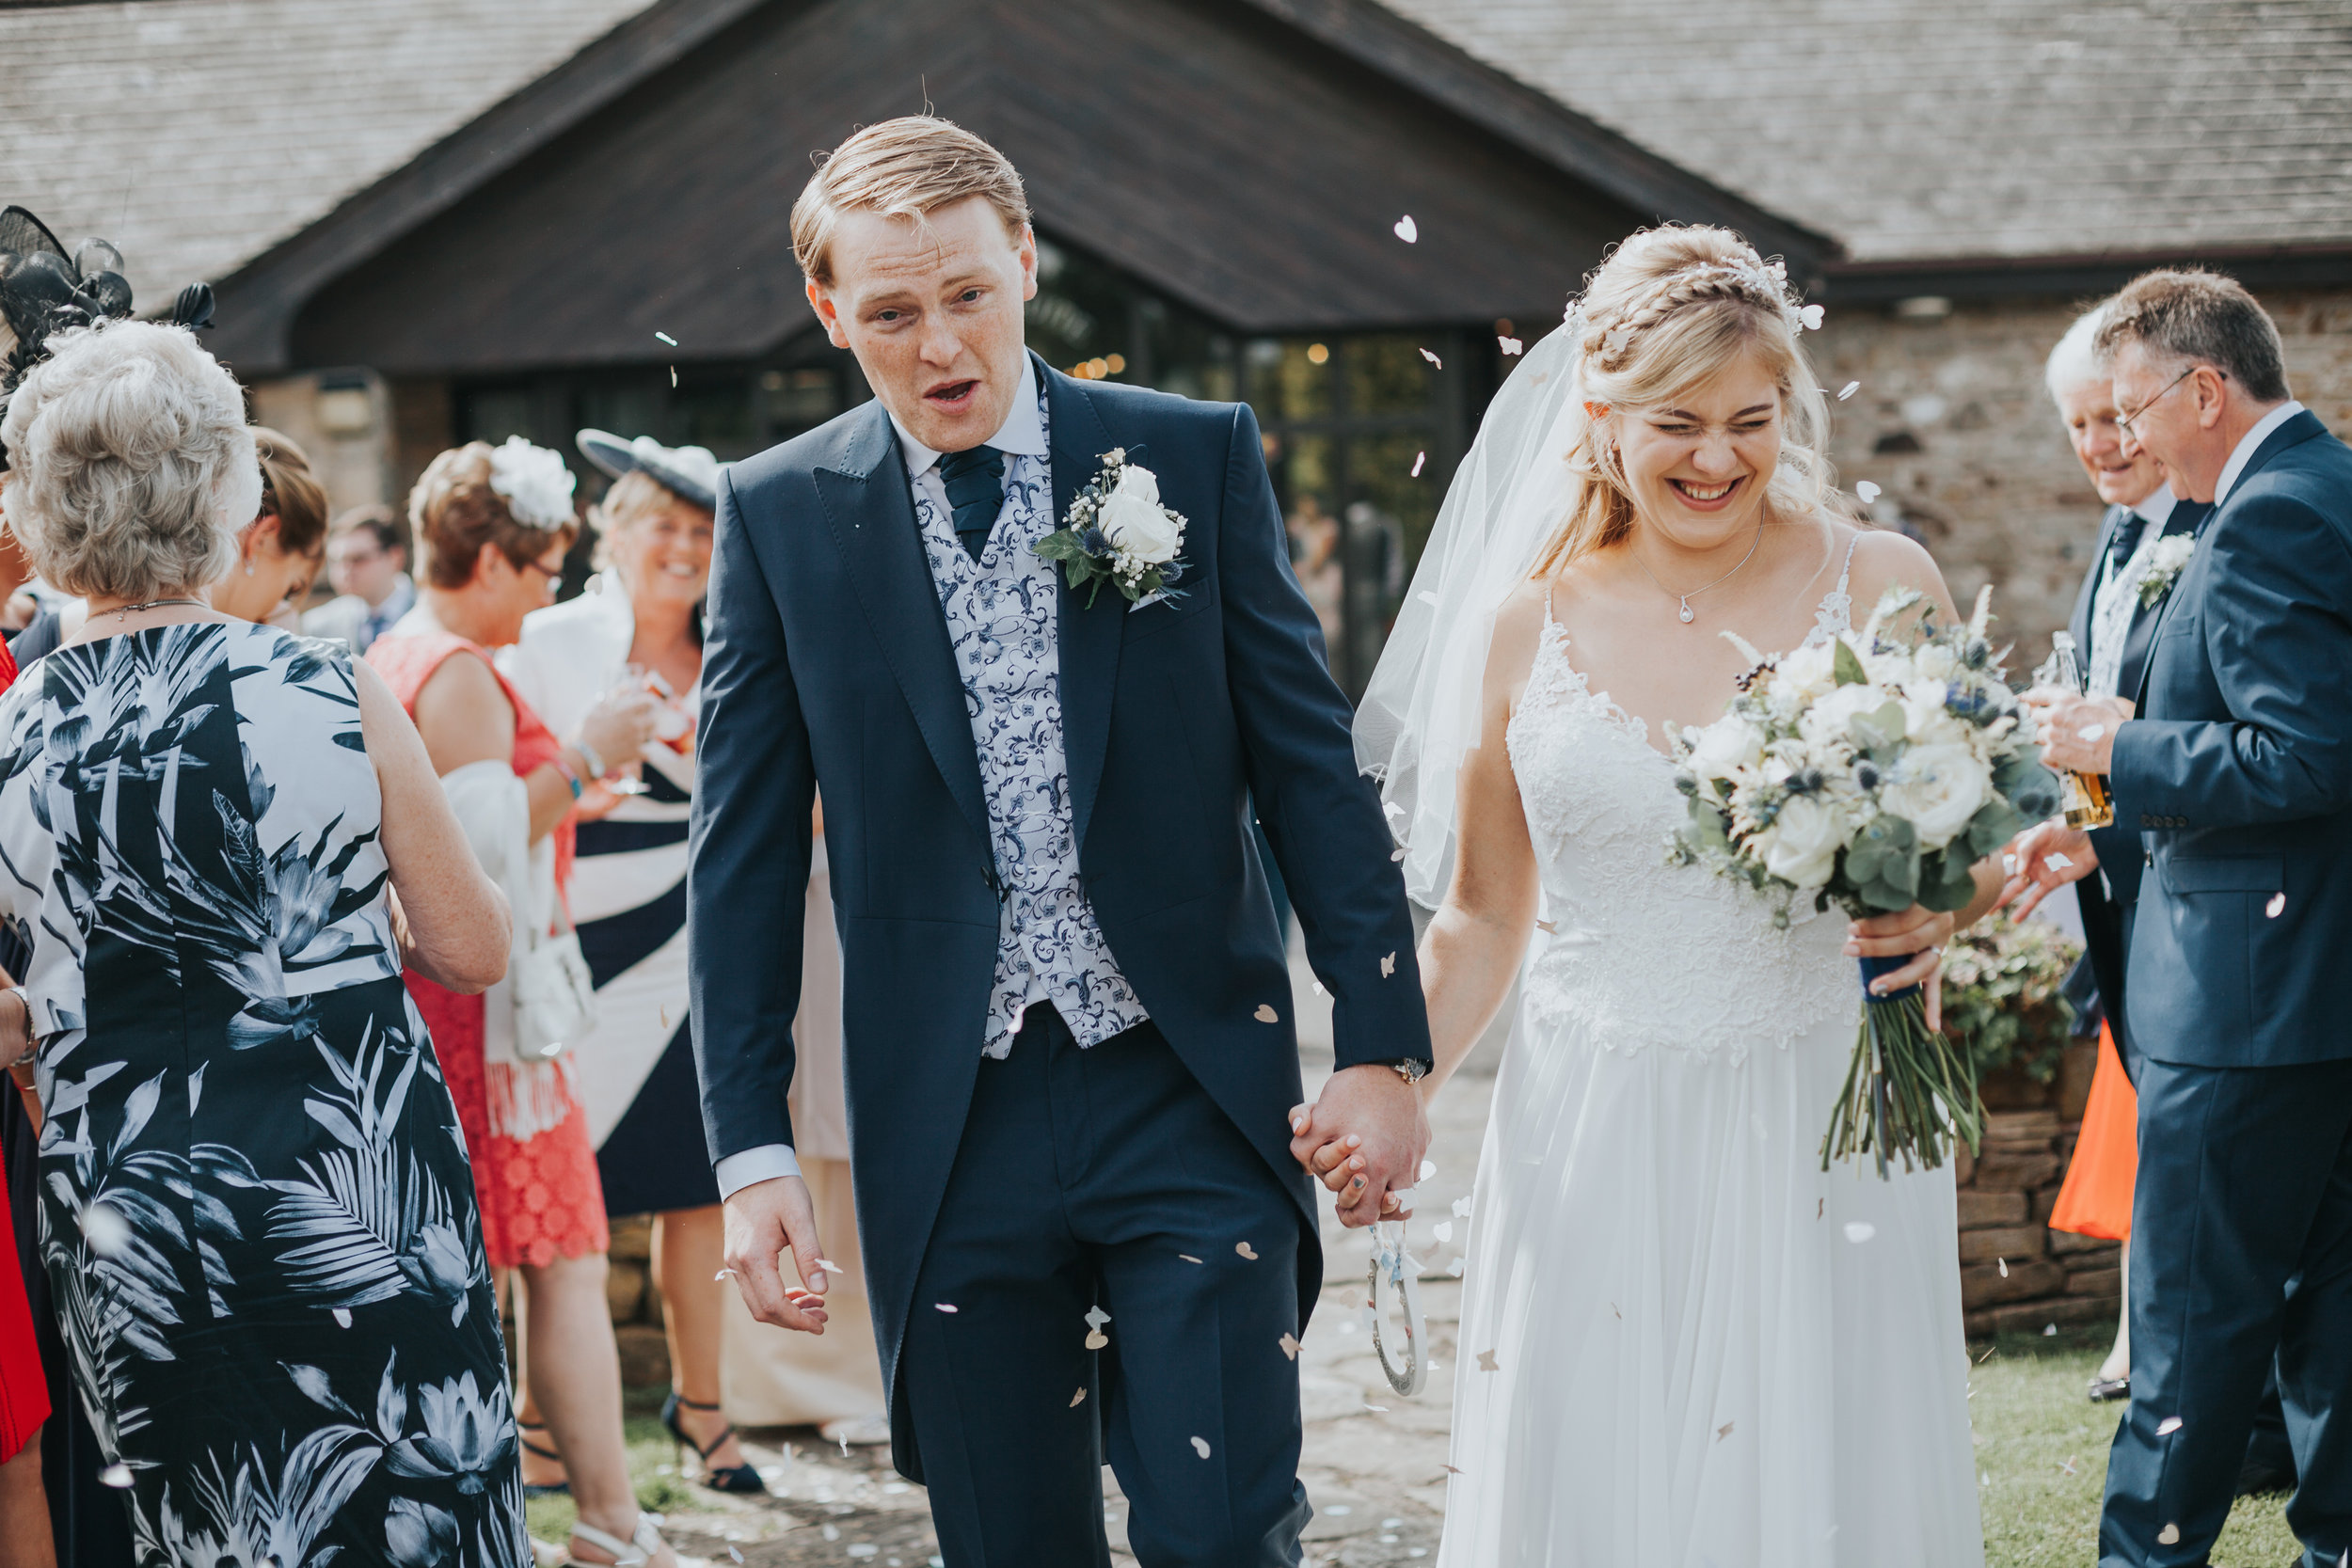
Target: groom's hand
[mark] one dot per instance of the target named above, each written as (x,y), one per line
(1364,1139)
(762,1220)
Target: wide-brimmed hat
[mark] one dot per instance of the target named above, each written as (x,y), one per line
(692,473)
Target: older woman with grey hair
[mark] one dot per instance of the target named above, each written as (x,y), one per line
(221,843)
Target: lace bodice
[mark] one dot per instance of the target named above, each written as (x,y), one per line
(1640,952)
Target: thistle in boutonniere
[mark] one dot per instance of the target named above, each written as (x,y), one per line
(2165,559)
(1118,530)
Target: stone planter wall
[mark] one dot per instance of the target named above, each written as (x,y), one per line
(2017,1274)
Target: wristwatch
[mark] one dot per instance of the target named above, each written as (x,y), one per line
(1411,1069)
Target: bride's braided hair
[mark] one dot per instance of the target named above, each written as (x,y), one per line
(1669,308)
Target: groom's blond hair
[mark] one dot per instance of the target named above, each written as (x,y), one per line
(905,167)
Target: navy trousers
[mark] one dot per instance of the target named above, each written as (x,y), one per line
(2241,1249)
(1107,1177)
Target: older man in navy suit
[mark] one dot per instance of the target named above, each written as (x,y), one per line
(2237,771)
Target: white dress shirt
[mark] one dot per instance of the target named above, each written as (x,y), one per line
(2118,596)
(2244,452)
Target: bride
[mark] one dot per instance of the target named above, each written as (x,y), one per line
(1682,1345)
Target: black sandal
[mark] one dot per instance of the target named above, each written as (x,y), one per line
(533,1489)
(739,1479)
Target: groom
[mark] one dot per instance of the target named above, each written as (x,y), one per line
(1068,1044)
(2238,772)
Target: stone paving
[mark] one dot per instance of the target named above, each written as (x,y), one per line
(1373,1462)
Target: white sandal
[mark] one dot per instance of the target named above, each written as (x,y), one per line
(635,1552)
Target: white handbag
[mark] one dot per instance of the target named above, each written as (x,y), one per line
(548,1001)
(555,996)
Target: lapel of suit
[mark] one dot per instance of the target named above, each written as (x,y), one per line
(2132,673)
(1088,634)
(2086,600)
(870,507)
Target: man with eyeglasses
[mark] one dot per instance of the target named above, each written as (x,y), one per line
(366,560)
(2237,771)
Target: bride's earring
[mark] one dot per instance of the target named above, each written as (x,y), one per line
(248,569)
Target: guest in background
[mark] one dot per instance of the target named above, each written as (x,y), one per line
(367,562)
(279,552)
(255,1217)
(25,1540)
(2114,622)
(493,524)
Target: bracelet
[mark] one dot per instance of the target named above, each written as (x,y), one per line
(32,1042)
(596,770)
(569,777)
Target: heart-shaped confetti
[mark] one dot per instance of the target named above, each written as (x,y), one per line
(2004,1264)
(1200,1446)
(1428,1169)
(1433,359)
(2057,859)
(2166,1427)
(2091,733)
(2169,1536)
(1290,1346)
(105,1229)
(1096,1317)
(1387,966)
(1096,1340)
(2277,907)
(117,1476)
(1443,1232)
(1811,317)
(942,1306)
(1265,1013)
(1859,1231)
(1399,855)
(343,1317)
(1077,1398)
(830,1266)
(1456,1267)
(1486,1361)
(1247,1250)
(1510,345)
(1462,1207)
(1849,389)
(1867,491)
(1407,229)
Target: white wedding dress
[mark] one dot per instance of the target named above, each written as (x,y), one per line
(1682,1345)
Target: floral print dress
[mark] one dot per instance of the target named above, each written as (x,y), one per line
(255,1207)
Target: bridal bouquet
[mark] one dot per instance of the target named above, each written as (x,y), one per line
(1872,772)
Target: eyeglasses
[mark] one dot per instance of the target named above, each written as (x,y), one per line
(553,574)
(2123,422)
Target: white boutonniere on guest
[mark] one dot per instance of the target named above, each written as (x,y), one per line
(2165,560)
(1118,530)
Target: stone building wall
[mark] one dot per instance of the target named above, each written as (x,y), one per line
(1952,422)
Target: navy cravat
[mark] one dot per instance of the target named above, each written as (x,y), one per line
(2126,540)
(974,480)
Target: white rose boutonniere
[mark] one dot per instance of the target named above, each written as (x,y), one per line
(2165,560)
(1118,530)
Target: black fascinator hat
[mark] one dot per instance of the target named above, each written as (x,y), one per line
(45,289)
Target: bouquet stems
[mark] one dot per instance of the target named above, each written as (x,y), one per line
(1909,1091)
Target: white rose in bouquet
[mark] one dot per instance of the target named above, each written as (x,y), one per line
(1826,722)
(1724,747)
(1801,847)
(1925,718)
(1937,789)
(1134,521)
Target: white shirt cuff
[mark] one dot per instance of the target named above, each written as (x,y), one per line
(763,1164)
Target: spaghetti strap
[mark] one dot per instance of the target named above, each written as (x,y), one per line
(1845,573)
(1834,614)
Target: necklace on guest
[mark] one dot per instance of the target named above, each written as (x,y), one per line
(151,603)
(1688,614)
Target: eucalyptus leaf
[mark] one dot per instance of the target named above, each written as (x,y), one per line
(1947,883)
(1847,665)
(1882,863)
(1879,732)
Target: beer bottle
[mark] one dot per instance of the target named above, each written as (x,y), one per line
(2088,802)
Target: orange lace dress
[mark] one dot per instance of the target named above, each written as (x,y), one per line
(535,1169)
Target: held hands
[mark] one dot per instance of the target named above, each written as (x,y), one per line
(622,724)
(1363,1138)
(1916,931)
(2077,734)
(762,1220)
(2046,859)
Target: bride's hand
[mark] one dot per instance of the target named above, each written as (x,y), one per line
(1918,932)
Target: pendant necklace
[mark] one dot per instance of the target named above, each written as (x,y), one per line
(156,604)
(1688,614)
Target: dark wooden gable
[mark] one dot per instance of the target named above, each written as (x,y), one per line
(1219,154)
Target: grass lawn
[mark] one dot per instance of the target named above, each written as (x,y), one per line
(2042,1449)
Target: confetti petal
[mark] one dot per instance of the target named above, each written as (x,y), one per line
(2091,733)
(117,1476)
(2166,1427)
(1849,389)
(1096,1340)
(1443,1232)
(1188,1258)
(667,338)
(1486,1361)
(1867,491)
(1723,1431)
(342,1316)
(1428,598)
(1247,1250)
(1510,345)
(1456,1267)
(1377,1410)
(942,1306)
(1859,1231)
(1399,855)
(1811,317)
(2004,1264)
(1387,966)
(1200,1446)
(722,1273)
(1418,458)
(1433,359)
(1452,1471)
(830,1266)
(1428,1169)
(674,378)
(1547,927)
(2057,859)
(1096,1317)
(1407,229)
(1265,1013)
(1462,1207)
(2169,1536)
(105,1229)
(1290,1345)
(2277,905)
(1077,1398)
(2049,1331)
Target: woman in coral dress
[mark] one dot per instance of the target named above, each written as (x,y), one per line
(492,525)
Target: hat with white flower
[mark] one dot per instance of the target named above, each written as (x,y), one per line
(692,473)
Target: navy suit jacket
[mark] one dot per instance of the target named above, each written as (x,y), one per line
(2104,898)
(829,668)
(2239,773)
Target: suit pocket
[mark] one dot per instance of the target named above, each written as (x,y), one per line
(2223,874)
